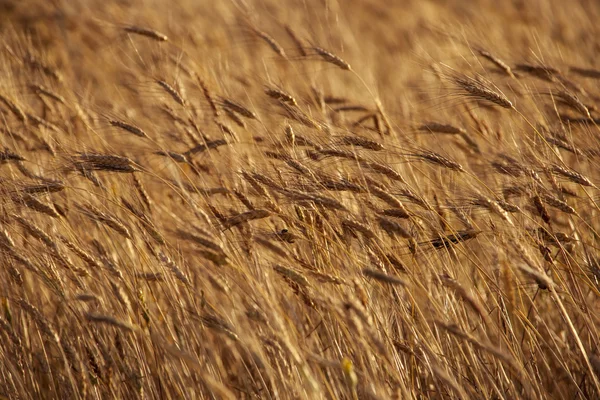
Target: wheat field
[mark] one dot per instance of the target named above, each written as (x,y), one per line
(316,199)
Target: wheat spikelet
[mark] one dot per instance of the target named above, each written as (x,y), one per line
(326,278)
(14,108)
(316,199)
(341,185)
(209,244)
(393,228)
(387,198)
(541,71)
(508,207)
(33,203)
(414,198)
(111,321)
(300,116)
(383,169)
(297,41)
(208,95)
(540,208)
(7,155)
(174,268)
(332,58)
(88,258)
(226,129)
(493,206)
(234,117)
(563,145)
(571,175)
(357,226)
(88,162)
(218,324)
(42,90)
(541,279)
(244,199)
(37,64)
(35,231)
(557,203)
(147,32)
(280,95)
(479,90)
(238,108)
(276,47)
(110,221)
(265,180)
(361,142)
(43,188)
(440,160)
(401,213)
(142,192)
(298,166)
(497,62)
(45,326)
(454,238)
(464,295)
(573,101)
(586,72)
(436,127)
(293,275)
(245,217)
(128,127)
(5,326)
(212,144)
(175,95)
(173,155)
(39,121)
(383,277)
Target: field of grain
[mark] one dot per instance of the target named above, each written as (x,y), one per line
(316,199)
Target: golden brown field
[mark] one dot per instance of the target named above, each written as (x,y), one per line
(351,199)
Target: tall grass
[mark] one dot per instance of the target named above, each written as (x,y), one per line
(302,199)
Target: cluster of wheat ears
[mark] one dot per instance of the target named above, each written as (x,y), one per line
(299,200)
